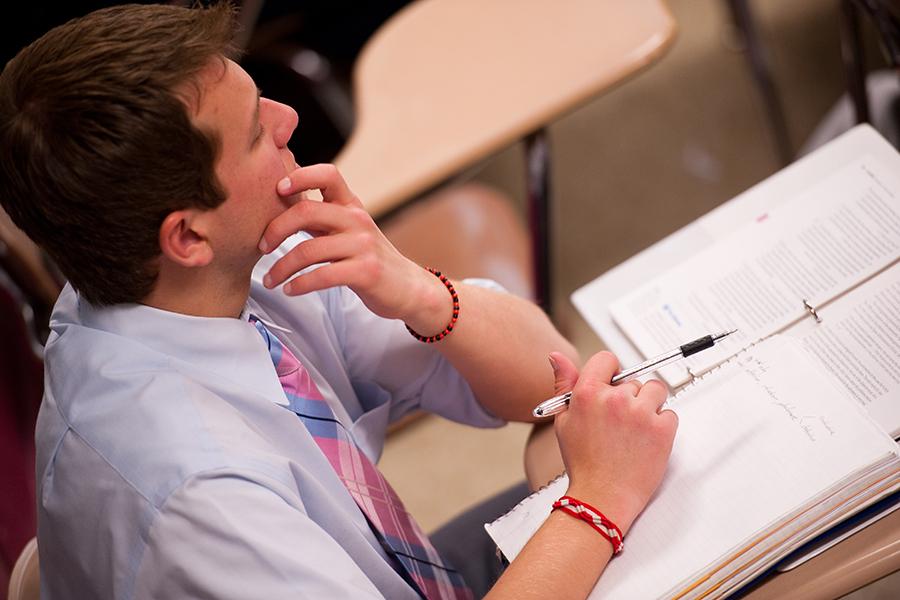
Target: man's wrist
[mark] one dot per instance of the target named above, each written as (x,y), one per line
(431,306)
(619,507)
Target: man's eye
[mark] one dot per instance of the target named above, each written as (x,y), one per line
(259,135)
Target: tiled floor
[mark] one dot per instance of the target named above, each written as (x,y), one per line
(669,145)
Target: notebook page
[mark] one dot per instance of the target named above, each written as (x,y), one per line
(814,247)
(858,340)
(513,530)
(757,438)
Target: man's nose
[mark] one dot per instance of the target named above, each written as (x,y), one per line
(286,120)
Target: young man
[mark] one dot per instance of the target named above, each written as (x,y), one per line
(218,387)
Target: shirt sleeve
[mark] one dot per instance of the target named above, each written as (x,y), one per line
(226,537)
(381,352)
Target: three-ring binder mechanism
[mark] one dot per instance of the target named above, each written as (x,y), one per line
(807,307)
(812,310)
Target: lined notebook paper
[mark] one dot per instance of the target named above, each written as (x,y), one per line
(770,451)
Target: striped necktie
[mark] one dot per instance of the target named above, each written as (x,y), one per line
(395,527)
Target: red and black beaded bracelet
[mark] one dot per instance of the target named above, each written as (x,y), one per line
(453,295)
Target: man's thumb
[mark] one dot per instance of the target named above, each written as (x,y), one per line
(565,373)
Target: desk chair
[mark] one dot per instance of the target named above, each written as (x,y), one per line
(758,60)
(21,382)
(446,83)
(885,16)
(36,282)
(25,581)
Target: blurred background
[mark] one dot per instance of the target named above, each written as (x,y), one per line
(628,168)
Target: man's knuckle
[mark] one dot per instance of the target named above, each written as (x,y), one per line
(365,242)
(359,215)
(324,278)
(671,421)
(373,268)
(585,391)
(302,210)
(608,359)
(617,405)
(656,385)
(619,395)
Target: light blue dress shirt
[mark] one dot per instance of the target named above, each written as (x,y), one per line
(168,465)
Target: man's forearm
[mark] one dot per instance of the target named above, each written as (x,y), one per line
(501,345)
(564,559)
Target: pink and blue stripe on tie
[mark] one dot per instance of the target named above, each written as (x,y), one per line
(382,507)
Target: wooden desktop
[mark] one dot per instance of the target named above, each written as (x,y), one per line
(444,84)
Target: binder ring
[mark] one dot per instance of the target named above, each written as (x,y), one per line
(812,311)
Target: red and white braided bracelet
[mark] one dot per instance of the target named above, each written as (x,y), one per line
(594,518)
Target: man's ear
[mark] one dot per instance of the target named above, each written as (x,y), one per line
(183,238)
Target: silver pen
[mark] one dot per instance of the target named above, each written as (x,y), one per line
(558,403)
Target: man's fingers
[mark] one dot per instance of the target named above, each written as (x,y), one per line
(633,384)
(598,370)
(324,277)
(565,373)
(323,177)
(311,216)
(310,252)
(653,394)
(670,418)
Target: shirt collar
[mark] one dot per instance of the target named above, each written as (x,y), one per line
(229,347)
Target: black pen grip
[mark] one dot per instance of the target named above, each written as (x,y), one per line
(697,345)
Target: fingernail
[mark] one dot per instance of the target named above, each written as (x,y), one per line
(267,280)
(287,288)
(553,364)
(263,245)
(284,186)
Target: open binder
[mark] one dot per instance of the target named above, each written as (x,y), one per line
(770,454)
(785,432)
(823,267)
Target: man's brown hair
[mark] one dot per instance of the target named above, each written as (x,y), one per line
(96,143)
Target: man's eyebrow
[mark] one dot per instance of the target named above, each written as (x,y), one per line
(254,130)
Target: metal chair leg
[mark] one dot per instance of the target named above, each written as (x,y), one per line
(537,156)
(759,65)
(854,59)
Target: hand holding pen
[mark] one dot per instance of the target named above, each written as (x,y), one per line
(614,441)
(559,403)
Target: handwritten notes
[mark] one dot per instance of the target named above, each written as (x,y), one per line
(761,440)
(813,425)
(758,438)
